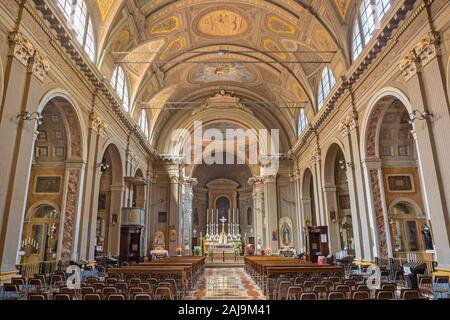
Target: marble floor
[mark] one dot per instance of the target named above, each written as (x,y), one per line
(226,284)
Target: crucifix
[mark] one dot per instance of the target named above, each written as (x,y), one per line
(223,220)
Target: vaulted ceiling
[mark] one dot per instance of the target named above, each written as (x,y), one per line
(190,50)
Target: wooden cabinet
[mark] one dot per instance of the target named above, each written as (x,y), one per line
(318,244)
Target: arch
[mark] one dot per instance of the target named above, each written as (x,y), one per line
(116,162)
(306,181)
(372,114)
(37,204)
(329,162)
(420,213)
(65,95)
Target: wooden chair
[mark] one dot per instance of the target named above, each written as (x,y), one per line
(122,287)
(147,287)
(294,293)
(20,283)
(426,285)
(110,282)
(336,295)
(69,291)
(108,291)
(308,285)
(10,291)
(384,295)
(87,290)
(410,294)
(37,296)
(283,288)
(389,287)
(98,287)
(321,291)
(308,296)
(62,297)
(329,284)
(92,280)
(142,297)
(92,297)
(56,280)
(116,297)
(35,284)
(362,287)
(163,293)
(134,282)
(361,295)
(299,281)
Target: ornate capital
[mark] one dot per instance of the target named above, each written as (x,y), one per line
(428,47)
(21,48)
(98,125)
(410,65)
(40,66)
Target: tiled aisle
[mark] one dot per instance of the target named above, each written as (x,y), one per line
(226,283)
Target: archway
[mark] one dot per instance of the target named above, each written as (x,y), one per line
(337,197)
(394,179)
(109,203)
(55,182)
(308,199)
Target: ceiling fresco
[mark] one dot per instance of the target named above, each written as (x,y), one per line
(270,51)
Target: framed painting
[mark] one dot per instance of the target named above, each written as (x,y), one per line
(47,184)
(400,183)
(344,202)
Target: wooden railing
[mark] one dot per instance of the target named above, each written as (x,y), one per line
(28,270)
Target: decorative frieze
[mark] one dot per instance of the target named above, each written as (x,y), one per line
(98,125)
(410,65)
(349,123)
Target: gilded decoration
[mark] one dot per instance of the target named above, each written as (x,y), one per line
(278,25)
(271,45)
(174,46)
(166,26)
(222,72)
(342,6)
(222,23)
(104,6)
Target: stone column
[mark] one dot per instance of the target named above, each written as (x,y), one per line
(175,212)
(271,211)
(24,75)
(258,211)
(330,198)
(299,220)
(423,73)
(87,239)
(318,192)
(361,230)
(70,212)
(188,197)
(377,209)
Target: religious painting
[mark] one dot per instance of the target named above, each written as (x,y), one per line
(274,235)
(158,240)
(222,23)
(286,232)
(400,183)
(222,72)
(102,201)
(280,26)
(344,202)
(166,26)
(50,184)
(173,46)
(271,45)
(223,206)
(249,216)
(172,234)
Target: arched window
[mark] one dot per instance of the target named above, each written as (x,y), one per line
(371,12)
(143,123)
(76,12)
(302,121)
(119,84)
(327,82)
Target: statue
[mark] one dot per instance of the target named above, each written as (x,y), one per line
(427,237)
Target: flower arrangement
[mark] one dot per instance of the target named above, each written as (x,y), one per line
(250,249)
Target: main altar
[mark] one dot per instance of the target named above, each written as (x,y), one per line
(223,246)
